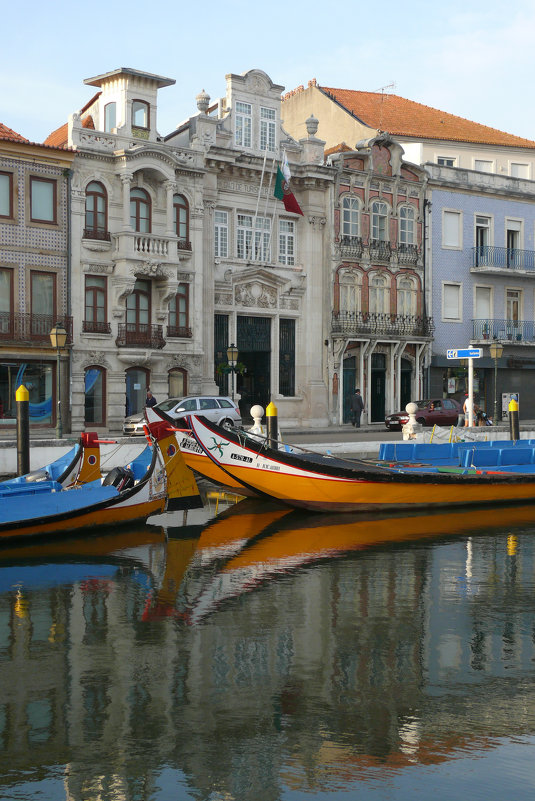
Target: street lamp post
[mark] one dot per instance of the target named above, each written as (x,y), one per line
(496,350)
(58,338)
(232,360)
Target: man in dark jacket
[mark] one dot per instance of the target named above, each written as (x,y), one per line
(357,407)
(150,399)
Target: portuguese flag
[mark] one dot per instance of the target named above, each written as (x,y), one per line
(284,193)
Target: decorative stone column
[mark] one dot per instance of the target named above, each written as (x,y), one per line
(170,188)
(126,180)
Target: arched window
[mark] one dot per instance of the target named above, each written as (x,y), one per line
(96,211)
(350,293)
(178,382)
(138,307)
(181,213)
(140,114)
(379,295)
(95,314)
(406,297)
(406,225)
(140,210)
(137,384)
(95,395)
(179,313)
(350,219)
(379,221)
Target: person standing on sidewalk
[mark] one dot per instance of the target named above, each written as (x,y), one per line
(357,407)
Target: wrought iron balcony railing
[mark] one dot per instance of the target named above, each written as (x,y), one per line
(503,330)
(31,329)
(183,244)
(380,250)
(131,335)
(485,256)
(95,327)
(101,236)
(407,254)
(179,331)
(351,246)
(353,323)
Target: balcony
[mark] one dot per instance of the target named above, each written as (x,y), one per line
(179,331)
(488,257)
(141,335)
(95,327)
(511,331)
(100,236)
(351,324)
(351,247)
(31,329)
(407,254)
(380,250)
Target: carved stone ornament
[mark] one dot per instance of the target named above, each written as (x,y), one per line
(314,220)
(255,294)
(151,269)
(92,357)
(289,304)
(187,362)
(103,269)
(223,299)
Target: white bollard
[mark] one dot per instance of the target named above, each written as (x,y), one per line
(411,427)
(257,413)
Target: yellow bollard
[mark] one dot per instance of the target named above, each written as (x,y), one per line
(272,425)
(514,428)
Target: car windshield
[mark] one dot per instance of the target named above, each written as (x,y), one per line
(422,404)
(168,404)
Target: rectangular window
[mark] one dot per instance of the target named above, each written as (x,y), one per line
(519,170)
(244,124)
(483,303)
(262,239)
(221,234)
(178,312)
(446,161)
(6,194)
(95,319)
(451,302)
(43,304)
(286,242)
(483,166)
(43,193)
(110,113)
(267,129)
(244,236)
(6,302)
(451,229)
(287,357)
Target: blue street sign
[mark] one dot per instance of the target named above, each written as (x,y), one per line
(466,353)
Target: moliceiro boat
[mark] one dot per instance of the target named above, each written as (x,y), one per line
(157,480)
(329,484)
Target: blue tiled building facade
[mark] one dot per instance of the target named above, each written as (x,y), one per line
(482,279)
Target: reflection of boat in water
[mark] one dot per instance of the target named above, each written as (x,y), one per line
(298,539)
(147,486)
(91,559)
(197,556)
(327,484)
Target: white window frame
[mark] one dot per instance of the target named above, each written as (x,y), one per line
(403,292)
(520,291)
(490,162)
(376,217)
(262,239)
(491,301)
(412,228)
(383,292)
(351,217)
(517,221)
(447,158)
(244,235)
(489,227)
(221,234)
(458,319)
(268,129)
(287,242)
(243,134)
(527,165)
(459,214)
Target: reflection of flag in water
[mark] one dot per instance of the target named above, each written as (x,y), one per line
(282,188)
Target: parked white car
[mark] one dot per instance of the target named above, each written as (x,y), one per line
(217,409)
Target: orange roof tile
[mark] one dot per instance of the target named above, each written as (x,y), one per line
(7,133)
(401,117)
(341,148)
(59,137)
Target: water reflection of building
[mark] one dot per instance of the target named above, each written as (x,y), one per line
(317,672)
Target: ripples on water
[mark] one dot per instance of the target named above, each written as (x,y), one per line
(265,654)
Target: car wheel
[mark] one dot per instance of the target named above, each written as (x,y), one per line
(227,424)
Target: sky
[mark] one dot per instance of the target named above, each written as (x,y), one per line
(471,59)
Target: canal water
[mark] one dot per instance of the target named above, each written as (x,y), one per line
(254,653)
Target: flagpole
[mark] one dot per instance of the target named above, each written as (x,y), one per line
(267,204)
(253,238)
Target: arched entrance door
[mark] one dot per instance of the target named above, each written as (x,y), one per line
(137,383)
(378,388)
(350,376)
(406,383)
